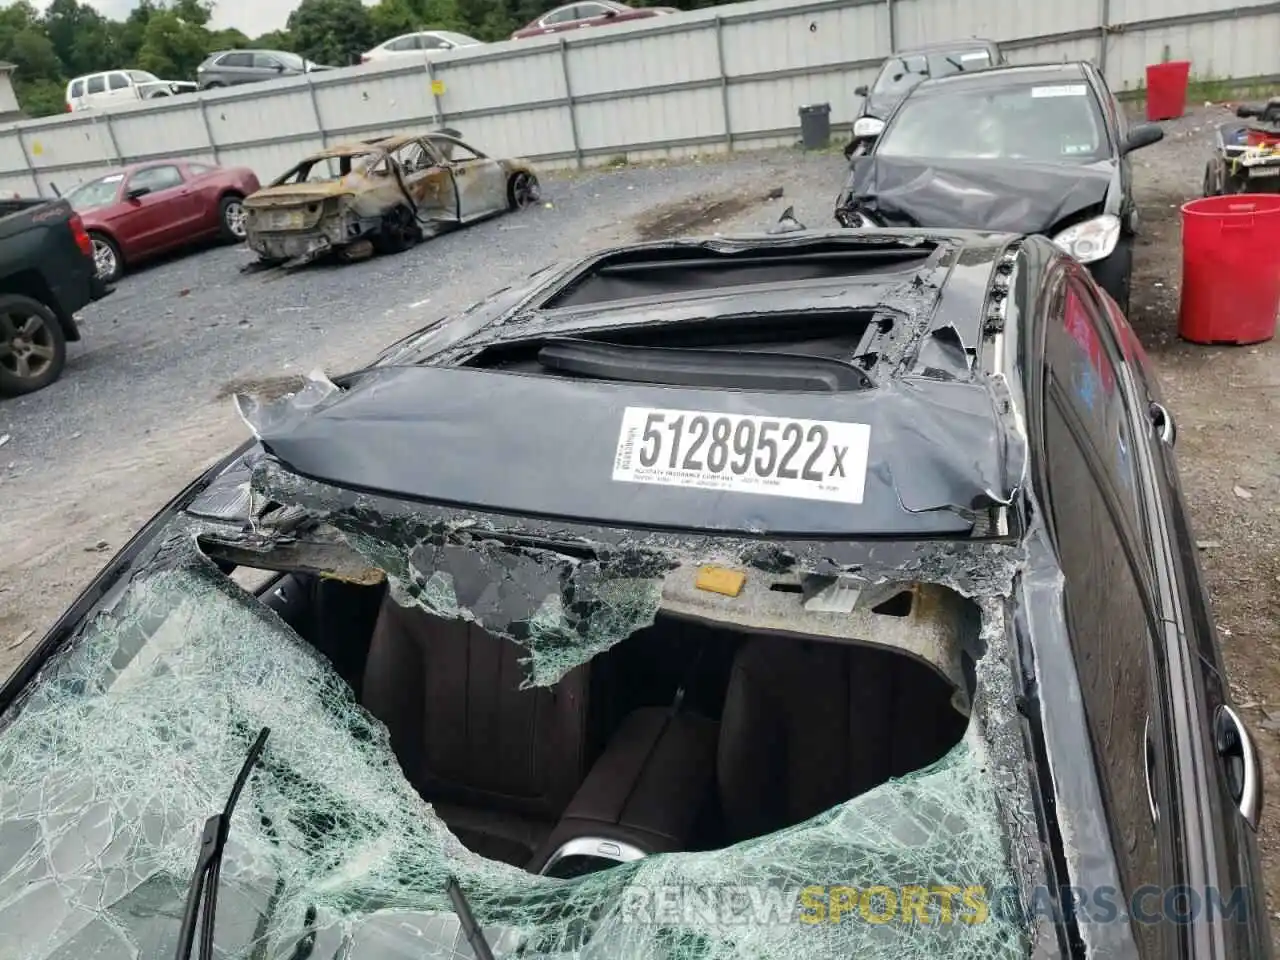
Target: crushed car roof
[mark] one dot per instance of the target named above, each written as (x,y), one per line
(871,341)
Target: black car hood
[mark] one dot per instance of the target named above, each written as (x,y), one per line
(998,195)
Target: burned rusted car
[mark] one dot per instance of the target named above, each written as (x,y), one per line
(384,194)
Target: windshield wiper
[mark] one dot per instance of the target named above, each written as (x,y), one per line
(202,895)
(475,936)
(955,63)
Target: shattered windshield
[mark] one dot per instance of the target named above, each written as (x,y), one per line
(1048,122)
(134,733)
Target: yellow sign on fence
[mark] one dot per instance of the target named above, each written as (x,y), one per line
(437,88)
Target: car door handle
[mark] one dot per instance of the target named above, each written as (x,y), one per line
(1162,420)
(1149,756)
(1240,761)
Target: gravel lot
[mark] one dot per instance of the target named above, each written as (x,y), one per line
(144,403)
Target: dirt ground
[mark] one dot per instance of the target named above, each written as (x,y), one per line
(54,537)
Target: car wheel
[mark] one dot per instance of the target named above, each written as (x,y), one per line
(214,84)
(399,232)
(1114,274)
(523,190)
(106,257)
(232,216)
(33,350)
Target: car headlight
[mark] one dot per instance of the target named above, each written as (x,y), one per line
(867,127)
(1091,240)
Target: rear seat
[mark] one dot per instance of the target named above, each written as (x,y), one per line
(501,765)
(809,725)
(498,764)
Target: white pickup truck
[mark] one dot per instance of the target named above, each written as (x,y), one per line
(110,87)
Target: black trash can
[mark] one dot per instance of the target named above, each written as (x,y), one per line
(815,126)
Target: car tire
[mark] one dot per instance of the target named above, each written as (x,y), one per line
(523,190)
(231,218)
(400,231)
(33,348)
(214,85)
(1116,273)
(107,257)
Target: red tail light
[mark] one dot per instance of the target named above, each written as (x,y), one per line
(82,238)
(69,108)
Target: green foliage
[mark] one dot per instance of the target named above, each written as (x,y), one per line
(171,37)
(331,31)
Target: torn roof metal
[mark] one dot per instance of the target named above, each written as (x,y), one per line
(931,448)
(906,458)
(923,287)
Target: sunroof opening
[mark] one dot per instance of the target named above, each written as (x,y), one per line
(842,335)
(667,271)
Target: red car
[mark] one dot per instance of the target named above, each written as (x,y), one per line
(147,209)
(597,13)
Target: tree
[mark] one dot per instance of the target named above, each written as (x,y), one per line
(331,31)
(171,47)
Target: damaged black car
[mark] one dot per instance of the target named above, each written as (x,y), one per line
(1029,149)
(805,596)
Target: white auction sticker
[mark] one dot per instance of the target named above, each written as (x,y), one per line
(1063,90)
(980,55)
(739,453)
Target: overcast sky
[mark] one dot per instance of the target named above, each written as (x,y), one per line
(254,17)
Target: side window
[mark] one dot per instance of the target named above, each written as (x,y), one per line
(77,88)
(97,83)
(199,169)
(455,150)
(156,178)
(237,60)
(117,81)
(414,158)
(428,42)
(563,15)
(264,61)
(586,10)
(404,43)
(1114,645)
(1083,369)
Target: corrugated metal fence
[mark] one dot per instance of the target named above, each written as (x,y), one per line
(723,78)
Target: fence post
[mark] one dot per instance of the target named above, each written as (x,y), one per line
(435,97)
(1104,28)
(724,83)
(111,136)
(315,109)
(568,96)
(893,27)
(208,128)
(31,167)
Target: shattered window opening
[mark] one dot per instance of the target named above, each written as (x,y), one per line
(111,766)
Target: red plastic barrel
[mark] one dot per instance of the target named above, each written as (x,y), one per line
(1230,268)
(1167,89)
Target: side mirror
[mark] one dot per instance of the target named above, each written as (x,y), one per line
(860,91)
(1143,135)
(610,14)
(279,68)
(133,193)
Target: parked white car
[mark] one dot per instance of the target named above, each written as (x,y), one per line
(98,90)
(422,44)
